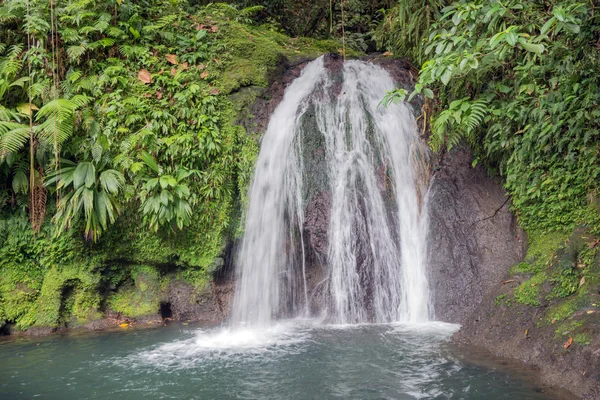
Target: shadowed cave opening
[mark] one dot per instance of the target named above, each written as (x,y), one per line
(165,311)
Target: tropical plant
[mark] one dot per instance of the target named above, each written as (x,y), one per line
(91,191)
(406,26)
(166,199)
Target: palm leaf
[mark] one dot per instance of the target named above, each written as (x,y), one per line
(84,174)
(111,181)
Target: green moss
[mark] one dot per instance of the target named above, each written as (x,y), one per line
(529,291)
(541,252)
(253,53)
(521,268)
(140,298)
(567,328)
(583,338)
(498,300)
(561,311)
(60,283)
(86,305)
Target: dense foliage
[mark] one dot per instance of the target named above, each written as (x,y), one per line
(120,150)
(355,20)
(122,164)
(518,80)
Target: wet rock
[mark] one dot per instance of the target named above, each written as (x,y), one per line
(211,303)
(316,222)
(39,331)
(473,237)
(560,338)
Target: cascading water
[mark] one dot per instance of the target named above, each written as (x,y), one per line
(375,259)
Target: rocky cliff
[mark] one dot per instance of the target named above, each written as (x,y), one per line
(473,237)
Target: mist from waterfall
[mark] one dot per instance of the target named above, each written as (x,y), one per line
(376,254)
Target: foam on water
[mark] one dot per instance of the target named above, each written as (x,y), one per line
(205,346)
(438,329)
(225,344)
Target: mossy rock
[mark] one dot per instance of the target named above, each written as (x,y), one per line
(141,297)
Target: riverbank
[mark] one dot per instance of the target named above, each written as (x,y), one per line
(545,314)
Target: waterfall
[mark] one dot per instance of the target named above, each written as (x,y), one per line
(374,264)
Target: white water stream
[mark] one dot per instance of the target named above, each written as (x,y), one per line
(376,257)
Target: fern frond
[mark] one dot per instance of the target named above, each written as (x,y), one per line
(76,52)
(13,137)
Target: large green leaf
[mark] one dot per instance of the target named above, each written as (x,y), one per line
(20,183)
(84,174)
(149,161)
(111,181)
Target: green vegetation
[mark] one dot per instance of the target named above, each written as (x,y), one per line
(122,164)
(561,274)
(528,292)
(517,81)
(582,338)
(565,276)
(561,311)
(499,298)
(141,298)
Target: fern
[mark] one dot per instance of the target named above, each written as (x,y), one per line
(57,118)
(76,52)
(13,137)
(460,121)
(405,26)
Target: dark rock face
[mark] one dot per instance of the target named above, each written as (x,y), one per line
(473,242)
(473,237)
(212,304)
(316,223)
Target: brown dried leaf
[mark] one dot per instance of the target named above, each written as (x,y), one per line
(214,91)
(568,343)
(214,28)
(159,95)
(582,281)
(173,71)
(526,332)
(201,66)
(145,76)
(204,75)
(508,281)
(172,58)
(388,54)
(184,66)
(161,72)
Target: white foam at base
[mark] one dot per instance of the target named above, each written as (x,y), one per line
(226,344)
